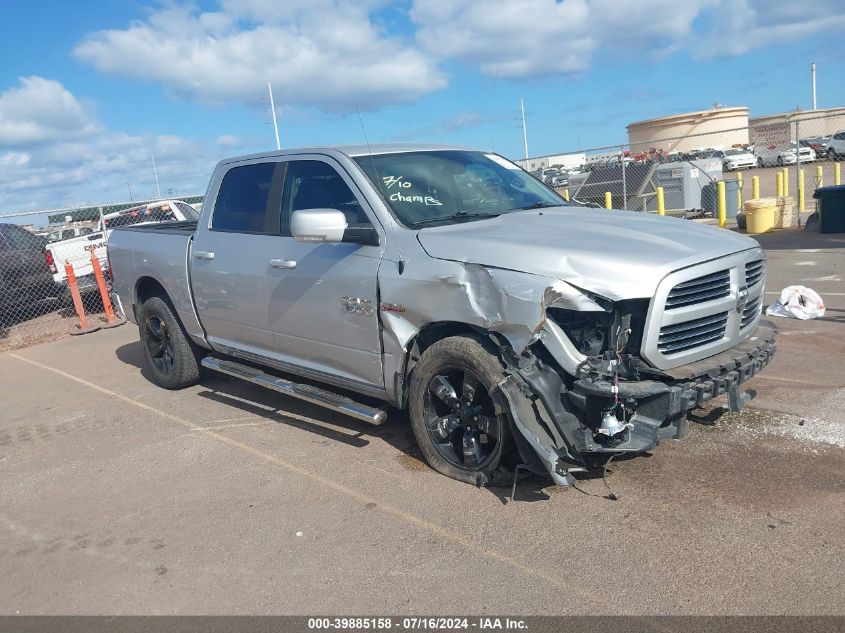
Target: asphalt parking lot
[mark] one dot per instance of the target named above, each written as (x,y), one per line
(122,498)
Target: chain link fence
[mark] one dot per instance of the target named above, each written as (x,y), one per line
(38,250)
(35,305)
(679,175)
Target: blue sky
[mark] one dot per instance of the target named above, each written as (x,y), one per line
(90,90)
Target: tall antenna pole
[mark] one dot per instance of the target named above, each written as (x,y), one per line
(524,131)
(813,73)
(155,173)
(273,110)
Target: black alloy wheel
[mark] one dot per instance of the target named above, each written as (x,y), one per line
(461,420)
(159,344)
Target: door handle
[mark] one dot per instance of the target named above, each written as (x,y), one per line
(203,254)
(288,264)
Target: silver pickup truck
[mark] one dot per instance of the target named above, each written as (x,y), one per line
(516,329)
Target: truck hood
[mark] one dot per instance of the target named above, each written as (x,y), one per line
(616,254)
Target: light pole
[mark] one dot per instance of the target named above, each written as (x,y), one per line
(155,173)
(524,131)
(273,110)
(813,73)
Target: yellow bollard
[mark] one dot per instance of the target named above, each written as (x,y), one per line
(661,207)
(720,188)
(785,181)
(755,187)
(801,189)
(836,180)
(819,176)
(566,194)
(780,183)
(608,200)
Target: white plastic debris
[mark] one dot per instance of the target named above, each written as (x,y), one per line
(797,302)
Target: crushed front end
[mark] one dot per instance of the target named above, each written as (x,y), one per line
(597,384)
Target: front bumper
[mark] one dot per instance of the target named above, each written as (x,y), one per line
(745,165)
(560,425)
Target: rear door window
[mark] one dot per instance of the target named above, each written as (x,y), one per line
(248,199)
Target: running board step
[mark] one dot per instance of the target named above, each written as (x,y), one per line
(309,393)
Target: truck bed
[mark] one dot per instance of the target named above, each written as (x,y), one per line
(156,253)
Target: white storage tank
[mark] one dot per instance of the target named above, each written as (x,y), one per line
(717,127)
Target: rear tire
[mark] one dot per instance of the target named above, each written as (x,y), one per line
(452,411)
(171,358)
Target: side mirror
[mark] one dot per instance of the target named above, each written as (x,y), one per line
(318,225)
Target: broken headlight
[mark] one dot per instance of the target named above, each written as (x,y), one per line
(616,330)
(588,331)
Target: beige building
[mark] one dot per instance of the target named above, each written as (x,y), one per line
(718,127)
(821,122)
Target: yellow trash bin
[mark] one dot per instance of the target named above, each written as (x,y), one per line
(760,214)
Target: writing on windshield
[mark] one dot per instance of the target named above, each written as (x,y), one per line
(423,187)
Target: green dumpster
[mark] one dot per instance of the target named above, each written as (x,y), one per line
(831,209)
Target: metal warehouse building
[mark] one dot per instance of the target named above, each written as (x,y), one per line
(821,122)
(717,127)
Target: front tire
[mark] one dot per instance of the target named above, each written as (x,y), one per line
(453,415)
(172,360)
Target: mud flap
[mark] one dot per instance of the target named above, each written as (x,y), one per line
(525,415)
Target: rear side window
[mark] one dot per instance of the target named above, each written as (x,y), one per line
(187,210)
(249,199)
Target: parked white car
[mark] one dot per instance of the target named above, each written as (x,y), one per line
(835,146)
(780,157)
(77,250)
(735,158)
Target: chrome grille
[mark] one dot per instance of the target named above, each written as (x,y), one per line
(690,334)
(753,272)
(699,290)
(750,312)
(704,309)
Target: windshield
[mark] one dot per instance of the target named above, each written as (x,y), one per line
(443,187)
(734,152)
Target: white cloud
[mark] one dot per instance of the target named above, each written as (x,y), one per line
(324,53)
(59,155)
(228,140)
(527,38)
(14,159)
(41,110)
(102,169)
(751,24)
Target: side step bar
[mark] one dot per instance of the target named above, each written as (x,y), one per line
(309,393)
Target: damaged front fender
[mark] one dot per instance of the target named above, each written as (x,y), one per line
(508,303)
